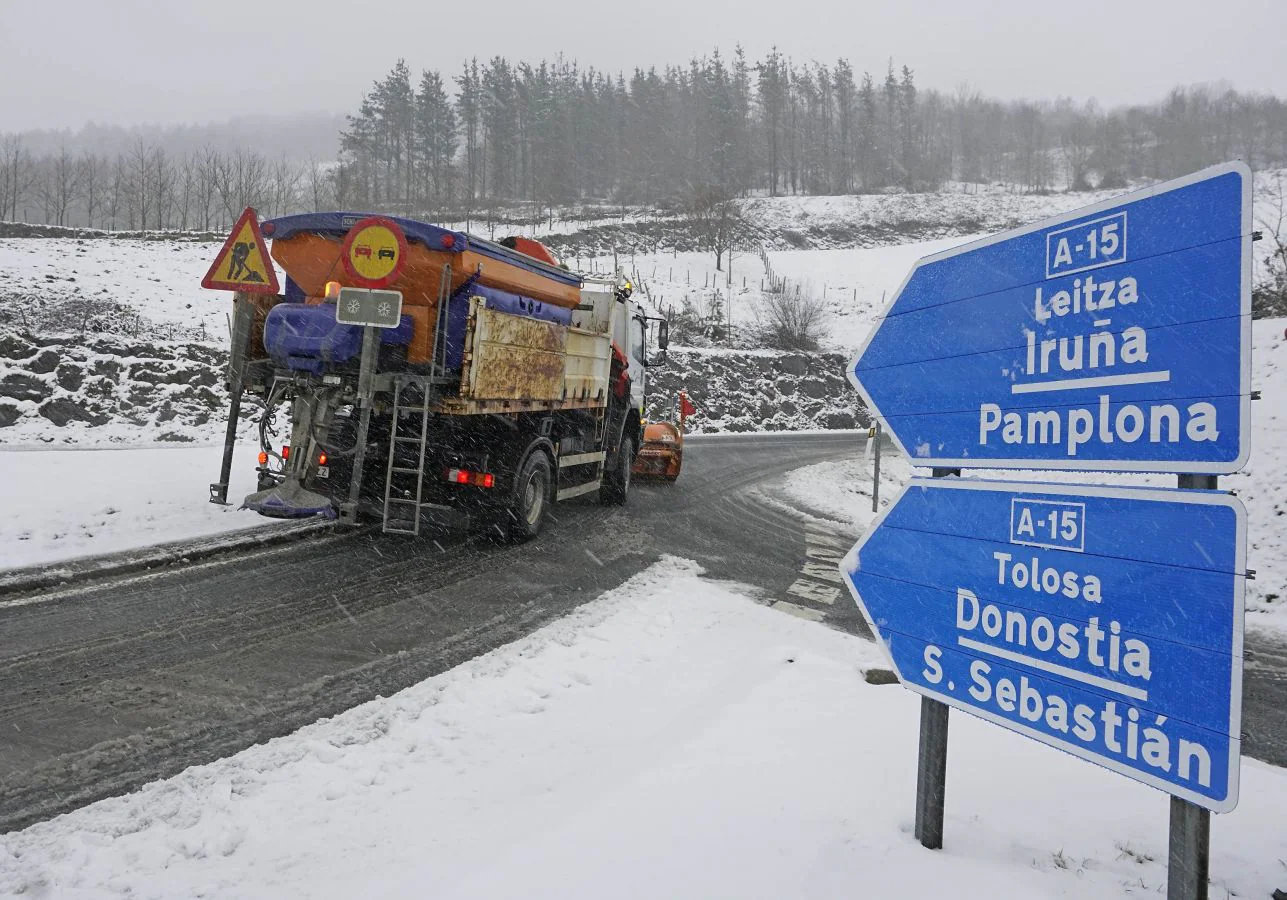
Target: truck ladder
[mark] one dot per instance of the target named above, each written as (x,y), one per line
(408,523)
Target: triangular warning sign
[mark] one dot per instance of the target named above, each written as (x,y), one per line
(243,263)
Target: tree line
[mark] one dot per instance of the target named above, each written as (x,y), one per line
(148,188)
(551,133)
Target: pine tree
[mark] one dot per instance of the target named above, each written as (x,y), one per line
(435,139)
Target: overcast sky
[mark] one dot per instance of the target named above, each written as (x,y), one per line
(65,62)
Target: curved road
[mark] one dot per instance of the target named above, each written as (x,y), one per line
(111,684)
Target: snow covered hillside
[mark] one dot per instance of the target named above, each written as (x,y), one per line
(671,739)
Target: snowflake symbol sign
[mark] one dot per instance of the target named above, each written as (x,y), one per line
(354,306)
(384,308)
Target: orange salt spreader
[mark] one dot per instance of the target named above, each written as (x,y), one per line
(662,453)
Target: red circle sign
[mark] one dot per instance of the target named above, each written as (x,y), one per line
(375,250)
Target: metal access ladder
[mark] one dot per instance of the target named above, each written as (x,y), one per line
(408,523)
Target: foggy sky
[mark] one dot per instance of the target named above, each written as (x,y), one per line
(66,62)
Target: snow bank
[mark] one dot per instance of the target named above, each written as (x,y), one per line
(671,739)
(74,503)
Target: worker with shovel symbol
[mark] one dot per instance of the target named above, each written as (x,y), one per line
(237,268)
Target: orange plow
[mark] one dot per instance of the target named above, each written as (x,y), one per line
(662,453)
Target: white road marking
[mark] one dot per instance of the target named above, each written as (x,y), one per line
(813,615)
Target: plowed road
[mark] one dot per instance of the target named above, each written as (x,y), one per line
(109,684)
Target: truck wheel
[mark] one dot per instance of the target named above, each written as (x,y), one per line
(616,483)
(531,498)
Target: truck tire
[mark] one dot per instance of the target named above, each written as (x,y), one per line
(531,502)
(616,481)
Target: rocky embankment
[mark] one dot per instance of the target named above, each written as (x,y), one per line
(103,391)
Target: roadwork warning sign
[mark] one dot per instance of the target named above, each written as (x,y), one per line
(243,263)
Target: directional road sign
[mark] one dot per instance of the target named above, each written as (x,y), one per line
(1114,337)
(1103,621)
(362,306)
(243,263)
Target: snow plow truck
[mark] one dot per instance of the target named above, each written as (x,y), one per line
(498,383)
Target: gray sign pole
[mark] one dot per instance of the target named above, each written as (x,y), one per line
(243,314)
(1189,853)
(875,471)
(931,764)
(366,376)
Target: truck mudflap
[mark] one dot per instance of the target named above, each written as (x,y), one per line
(290,500)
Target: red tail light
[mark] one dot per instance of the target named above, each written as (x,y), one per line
(321,459)
(285,452)
(477,479)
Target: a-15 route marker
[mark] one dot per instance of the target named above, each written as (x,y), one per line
(1116,337)
(1103,621)
(1113,337)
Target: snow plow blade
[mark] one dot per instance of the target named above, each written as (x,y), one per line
(662,454)
(289,500)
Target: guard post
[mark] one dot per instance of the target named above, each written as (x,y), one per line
(243,316)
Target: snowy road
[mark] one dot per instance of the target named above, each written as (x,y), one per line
(107,686)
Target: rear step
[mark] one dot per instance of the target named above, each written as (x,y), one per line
(598,457)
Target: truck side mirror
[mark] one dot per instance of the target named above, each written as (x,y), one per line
(663,334)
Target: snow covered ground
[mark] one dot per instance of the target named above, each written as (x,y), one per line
(69,503)
(671,739)
(156,284)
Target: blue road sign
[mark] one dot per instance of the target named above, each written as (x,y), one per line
(1103,621)
(1114,337)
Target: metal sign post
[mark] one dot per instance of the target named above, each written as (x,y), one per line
(875,467)
(374,310)
(1188,866)
(243,315)
(931,762)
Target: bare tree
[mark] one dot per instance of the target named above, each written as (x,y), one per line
(205,194)
(319,185)
(93,175)
(1269,298)
(140,185)
(241,180)
(716,218)
(16,174)
(283,186)
(1077,143)
(119,190)
(164,180)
